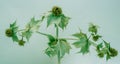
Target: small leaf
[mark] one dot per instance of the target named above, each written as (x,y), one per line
(27,34)
(33,25)
(107,44)
(52,19)
(64,47)
(99,46)
(108,56)
(50,52)
(13,25)
(92,28)
(15,38)
(13,31)
(80,35)
(96,37)
(64,21)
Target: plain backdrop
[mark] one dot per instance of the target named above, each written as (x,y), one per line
(105,13)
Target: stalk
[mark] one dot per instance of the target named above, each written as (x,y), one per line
(58,52)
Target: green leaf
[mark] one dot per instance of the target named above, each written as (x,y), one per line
(64,21)
(99,46)
(107,44)
(50,37)
(50,52)
(33,25)
(14,29)
(64,47)
(13,25)
(85,48)
(83,43)
(27,34)
(80,35)
(52,19)
(92,28)
(96,37)
(108,56)
(15,38)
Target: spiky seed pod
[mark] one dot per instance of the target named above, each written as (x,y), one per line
(101,55)
(56,10)
(21,42)
(9,32)
(113,52)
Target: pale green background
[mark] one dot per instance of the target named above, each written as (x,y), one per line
(105,13)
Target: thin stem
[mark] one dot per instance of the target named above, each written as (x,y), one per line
(58,53)
(69,38)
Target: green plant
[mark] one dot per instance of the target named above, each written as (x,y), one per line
(60,46)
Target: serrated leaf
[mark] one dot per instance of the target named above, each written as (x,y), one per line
(83,43)
(107,45)
(50,52)
(27,34)
(99,46)
(52,19)
(92,28)
(14,29)
(15,38)
(80,43)
(80,35)
(108,56)
(13,25)
(64,47)
(85,48)
(64,21)
(33,25)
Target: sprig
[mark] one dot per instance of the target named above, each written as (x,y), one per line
(58,46)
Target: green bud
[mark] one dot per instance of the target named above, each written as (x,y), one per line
(56,10)
(21,42)
(9,32)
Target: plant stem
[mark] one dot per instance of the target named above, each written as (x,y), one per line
(58,52)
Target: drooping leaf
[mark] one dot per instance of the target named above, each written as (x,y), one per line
(64,47)
(52,19)
(50,52)
(64,21)
(60,20)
